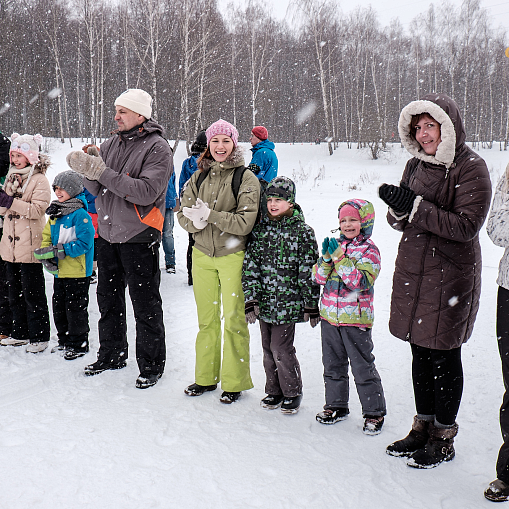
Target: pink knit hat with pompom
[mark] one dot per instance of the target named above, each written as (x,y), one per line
(26,145)
(222,127)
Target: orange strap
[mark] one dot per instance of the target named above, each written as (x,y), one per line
(154,218)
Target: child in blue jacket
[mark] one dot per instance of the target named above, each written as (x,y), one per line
(67,252)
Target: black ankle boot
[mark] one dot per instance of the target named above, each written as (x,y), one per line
(414,441)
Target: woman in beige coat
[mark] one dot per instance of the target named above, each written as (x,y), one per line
(23,201)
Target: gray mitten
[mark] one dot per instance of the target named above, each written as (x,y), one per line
(89,166)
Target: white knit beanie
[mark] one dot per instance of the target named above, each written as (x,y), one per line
(136,100)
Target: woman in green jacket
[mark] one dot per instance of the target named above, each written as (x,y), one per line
(220,223)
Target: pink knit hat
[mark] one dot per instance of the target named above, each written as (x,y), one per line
(26,145)
(222,127)
(349,210)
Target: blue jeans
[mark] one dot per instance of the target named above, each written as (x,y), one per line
(168,242)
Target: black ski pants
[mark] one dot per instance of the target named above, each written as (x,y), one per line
(503,348)
(70,312)
(27,299)
(437,377)
(135,266)
(5,308)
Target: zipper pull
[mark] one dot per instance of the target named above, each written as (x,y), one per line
(433,252)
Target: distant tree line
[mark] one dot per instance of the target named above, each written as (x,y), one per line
(317,74)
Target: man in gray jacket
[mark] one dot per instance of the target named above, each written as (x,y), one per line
(129,179)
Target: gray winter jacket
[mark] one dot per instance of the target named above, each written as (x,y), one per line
(498,227)
(131,191)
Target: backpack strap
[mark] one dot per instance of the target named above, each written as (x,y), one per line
(237,180)
(201,177)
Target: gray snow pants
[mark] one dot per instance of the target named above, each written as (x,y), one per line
(343,344)
(282,369)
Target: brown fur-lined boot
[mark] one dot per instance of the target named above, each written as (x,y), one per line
(439,448)
(414,441)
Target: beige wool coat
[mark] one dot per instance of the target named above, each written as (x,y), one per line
(25,219)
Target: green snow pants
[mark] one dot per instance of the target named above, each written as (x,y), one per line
(216,279)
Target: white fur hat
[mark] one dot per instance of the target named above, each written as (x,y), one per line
(136,100)
(26,145)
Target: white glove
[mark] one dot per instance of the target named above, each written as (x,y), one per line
(198,214)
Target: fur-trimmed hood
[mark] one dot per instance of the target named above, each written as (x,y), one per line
(235,159)
(446,112)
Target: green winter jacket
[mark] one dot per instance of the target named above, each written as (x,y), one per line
(277,269)
(230,220)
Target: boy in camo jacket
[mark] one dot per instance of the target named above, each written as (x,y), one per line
(278,290)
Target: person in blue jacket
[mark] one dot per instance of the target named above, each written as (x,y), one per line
(264,161)
(188,168)
(172,204)
(67,252)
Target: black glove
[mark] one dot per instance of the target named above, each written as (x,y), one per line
(5,199)
(254,168)
(312,315)
(252,311)
(400,199)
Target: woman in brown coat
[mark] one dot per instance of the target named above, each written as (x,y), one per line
(440,205)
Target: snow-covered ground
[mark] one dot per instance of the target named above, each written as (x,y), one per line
(69,441)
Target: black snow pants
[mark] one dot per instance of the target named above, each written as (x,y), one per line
(27,299)
(5,308)
(503,348)
(135,266)
(70,312)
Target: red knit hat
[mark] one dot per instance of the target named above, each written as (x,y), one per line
(349,210)
(260,132)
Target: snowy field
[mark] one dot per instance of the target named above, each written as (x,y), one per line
(70,441)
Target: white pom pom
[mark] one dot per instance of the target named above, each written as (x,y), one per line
(38,139)
(14,136)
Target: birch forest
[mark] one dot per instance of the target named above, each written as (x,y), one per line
(318,74)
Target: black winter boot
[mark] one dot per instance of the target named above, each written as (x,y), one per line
(414,441)
(439,448)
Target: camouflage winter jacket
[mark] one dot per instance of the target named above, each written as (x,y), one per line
(277,269)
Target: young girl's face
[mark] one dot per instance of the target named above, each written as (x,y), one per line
(350,227)
(62,194)
(277,206)
(19,160)
(221,146)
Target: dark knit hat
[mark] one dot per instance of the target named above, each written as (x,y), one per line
(200,144)
(260,132)
(70,182)
(281,187)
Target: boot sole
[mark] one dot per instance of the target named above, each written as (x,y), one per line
(289,411)
(432,465)
(270,407)
(329,423)
(98,372)
(493,497)
(194,394)
(400,454)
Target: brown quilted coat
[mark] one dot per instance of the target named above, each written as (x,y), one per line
(437,279)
